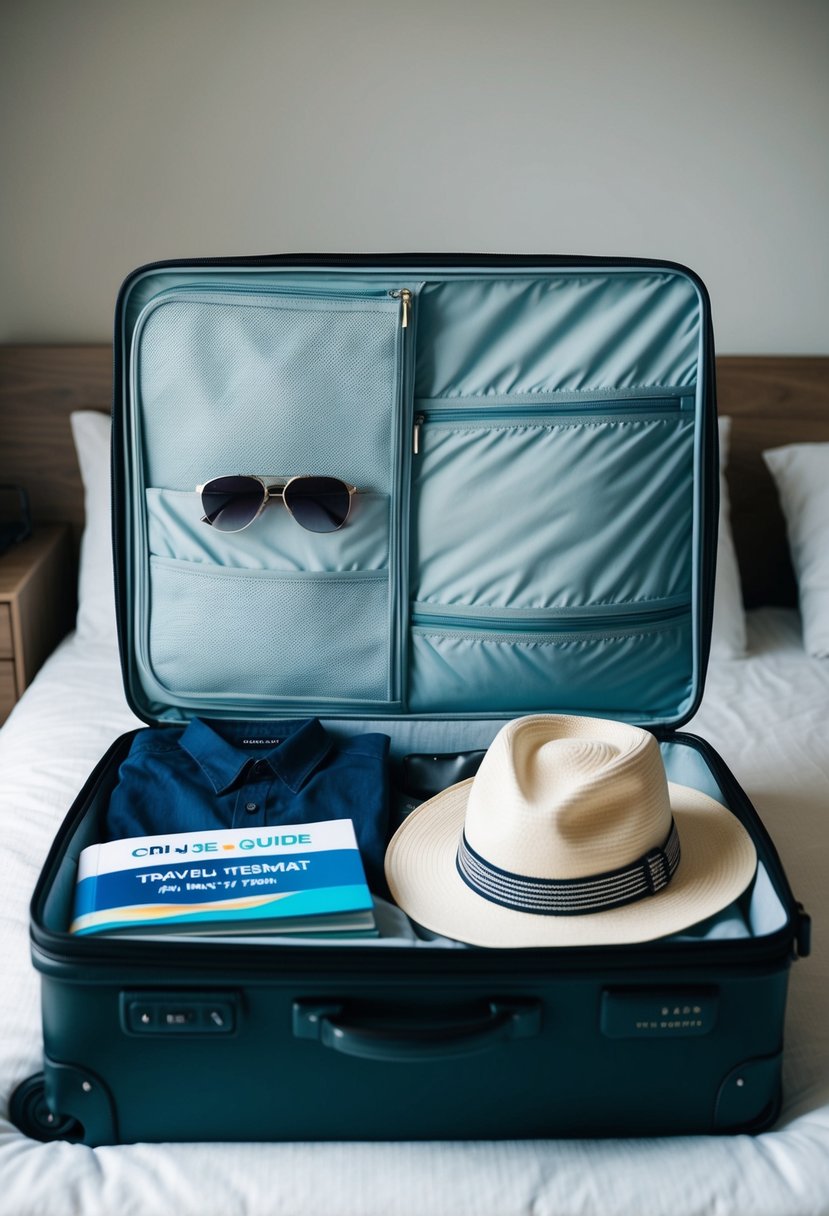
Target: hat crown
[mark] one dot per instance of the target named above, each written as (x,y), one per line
(564,797)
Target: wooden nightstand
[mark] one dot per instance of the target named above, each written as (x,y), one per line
(36,605)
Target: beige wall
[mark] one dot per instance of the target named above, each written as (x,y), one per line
(695,130)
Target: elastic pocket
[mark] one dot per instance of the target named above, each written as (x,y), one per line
(308,637)
(538,506)
(274,541)
(545,665)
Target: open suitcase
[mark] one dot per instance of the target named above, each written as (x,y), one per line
(537,441)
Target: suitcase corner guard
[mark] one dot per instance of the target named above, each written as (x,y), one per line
(64,1103)
(750,1096)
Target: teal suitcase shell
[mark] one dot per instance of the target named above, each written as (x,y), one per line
(536,442)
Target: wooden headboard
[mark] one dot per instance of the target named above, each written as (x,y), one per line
(40,386)
(772,399)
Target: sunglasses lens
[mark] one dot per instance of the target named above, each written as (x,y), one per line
(231,503)
(318,504)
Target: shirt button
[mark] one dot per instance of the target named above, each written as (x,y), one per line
(259,769)
(250,807)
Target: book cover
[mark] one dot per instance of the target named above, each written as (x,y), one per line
(299,879)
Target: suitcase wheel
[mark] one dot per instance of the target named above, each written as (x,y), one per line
(29,1112)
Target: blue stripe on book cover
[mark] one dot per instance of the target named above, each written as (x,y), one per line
(333,901)
(222,878)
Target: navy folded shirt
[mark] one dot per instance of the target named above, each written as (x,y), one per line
(254,774)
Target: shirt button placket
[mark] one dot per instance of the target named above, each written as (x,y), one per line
(263,789)
(250,803)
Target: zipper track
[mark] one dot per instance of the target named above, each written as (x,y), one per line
(380,295)
(616,619)
(523,413)
(519,410)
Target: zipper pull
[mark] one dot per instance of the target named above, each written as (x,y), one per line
(418,423)
(405,298)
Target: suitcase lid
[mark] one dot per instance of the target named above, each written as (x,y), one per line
(533,442)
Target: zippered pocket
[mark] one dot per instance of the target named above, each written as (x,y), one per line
(516,410)
(243,378)
(558,625)
(552,504)
(278,382)
(624,658)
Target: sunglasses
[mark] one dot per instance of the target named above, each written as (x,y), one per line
(318,504)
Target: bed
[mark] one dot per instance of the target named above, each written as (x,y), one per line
(767,713)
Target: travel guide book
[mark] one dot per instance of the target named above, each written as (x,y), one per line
(300,879)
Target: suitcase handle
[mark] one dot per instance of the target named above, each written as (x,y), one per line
(331,1025)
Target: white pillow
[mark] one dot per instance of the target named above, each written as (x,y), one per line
(96,583)
(728,631)
(801,474)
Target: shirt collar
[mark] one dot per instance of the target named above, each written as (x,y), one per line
(220,750)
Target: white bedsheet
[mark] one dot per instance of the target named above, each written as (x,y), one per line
(768,715)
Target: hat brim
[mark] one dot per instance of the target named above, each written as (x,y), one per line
(718,861)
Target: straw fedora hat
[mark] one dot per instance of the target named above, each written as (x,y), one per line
(569,835)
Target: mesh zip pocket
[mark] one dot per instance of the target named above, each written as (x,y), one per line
(525,665)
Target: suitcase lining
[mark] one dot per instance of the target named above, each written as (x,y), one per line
(490,363)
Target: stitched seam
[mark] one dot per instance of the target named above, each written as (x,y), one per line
(501,641)
(679,389)
(577,423)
